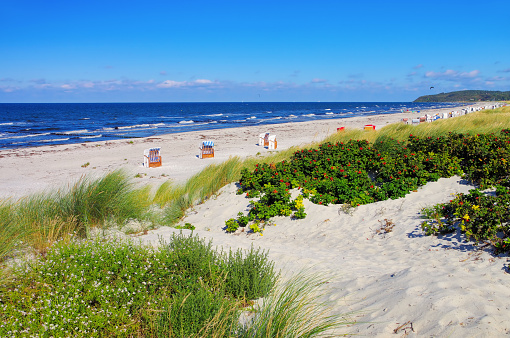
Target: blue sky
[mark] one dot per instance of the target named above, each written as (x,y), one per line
(188,51)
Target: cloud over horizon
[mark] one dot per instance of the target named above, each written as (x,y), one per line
(452,75)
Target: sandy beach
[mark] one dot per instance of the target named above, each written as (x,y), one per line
(29,170)
(400,283)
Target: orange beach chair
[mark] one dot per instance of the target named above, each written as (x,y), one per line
(207,149)
(152,157)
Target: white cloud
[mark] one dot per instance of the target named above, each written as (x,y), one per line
(171,84)
(181,84)
(452,75)
(418,66)
(203,81)
(497,78)
(319,80)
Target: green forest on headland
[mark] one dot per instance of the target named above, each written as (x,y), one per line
(466,96)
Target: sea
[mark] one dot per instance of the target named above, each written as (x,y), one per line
(36,124)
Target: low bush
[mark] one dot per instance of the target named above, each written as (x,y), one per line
(480,216)
(98,288)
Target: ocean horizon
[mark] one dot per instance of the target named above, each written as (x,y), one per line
(36,124)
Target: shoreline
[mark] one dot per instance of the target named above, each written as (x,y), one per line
(37,169)
(31,170)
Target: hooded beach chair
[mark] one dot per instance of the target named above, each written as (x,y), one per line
(264,139)
(152,157)
(207,149)
(272,144)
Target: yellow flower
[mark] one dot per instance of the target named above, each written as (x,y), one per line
(466,217)
(475,207)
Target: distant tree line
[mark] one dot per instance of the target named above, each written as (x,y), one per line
(466,96)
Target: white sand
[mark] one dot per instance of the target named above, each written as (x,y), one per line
(442,286)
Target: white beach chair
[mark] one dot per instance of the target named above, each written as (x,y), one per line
(272,144)
(263,139)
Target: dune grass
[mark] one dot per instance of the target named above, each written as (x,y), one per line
(296,309)
(39,220)
(178,198)
(480,122)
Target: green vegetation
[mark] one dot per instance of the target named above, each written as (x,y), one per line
(359,172)
(295,310)
(98,288)
(466,96)
(103,287)
(185,274)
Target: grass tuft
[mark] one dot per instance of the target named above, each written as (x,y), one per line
(296,309)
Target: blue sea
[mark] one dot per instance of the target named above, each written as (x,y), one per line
(36,124)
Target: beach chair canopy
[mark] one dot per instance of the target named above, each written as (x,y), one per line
(208,143)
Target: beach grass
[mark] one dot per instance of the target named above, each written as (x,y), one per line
(296,308)
(480,122)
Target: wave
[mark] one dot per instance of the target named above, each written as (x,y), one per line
(212,115)
(92,136)
(82,131)
(272,118)
(330,113)
(327,109)
(54,140)
(186,122)
(134,126)
(308,115)
(22,136)
(171,117)
(7,124)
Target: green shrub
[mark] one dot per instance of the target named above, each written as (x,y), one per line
(231,225)
(358,172)
(249,275)
(189,314)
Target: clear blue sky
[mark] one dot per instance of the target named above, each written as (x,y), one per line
(179,51)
